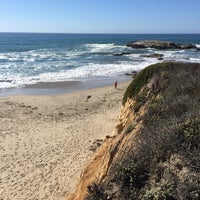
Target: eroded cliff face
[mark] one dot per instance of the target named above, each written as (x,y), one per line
(153,152)
(97,170)
(113,148)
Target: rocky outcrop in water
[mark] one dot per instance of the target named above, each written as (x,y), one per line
(153,55)
(132,73)
(159,45)
(122,54)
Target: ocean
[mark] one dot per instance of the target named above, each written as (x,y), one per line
(29,58)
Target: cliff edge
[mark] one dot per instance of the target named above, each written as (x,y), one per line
(154,153)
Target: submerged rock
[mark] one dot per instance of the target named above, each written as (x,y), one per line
(122,54)
(132,73)
(153,55)
(160,45)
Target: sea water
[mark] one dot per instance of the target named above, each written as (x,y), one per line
(29,58)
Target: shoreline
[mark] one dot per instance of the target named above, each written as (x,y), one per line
(47,140)
(62,87)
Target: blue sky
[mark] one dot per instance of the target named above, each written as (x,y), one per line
(100,16)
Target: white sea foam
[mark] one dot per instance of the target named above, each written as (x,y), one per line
(3,56)
(198,46)
(88,71)
(195,59)
(178,55)
(100,46)
(104,47)
(73,54)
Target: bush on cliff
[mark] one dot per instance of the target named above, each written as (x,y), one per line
(165,161)
(141,79)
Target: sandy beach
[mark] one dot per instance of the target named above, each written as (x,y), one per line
(47,140)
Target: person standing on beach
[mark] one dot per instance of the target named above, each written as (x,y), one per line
(116,84)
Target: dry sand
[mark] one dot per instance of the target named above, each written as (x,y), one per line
(46,141)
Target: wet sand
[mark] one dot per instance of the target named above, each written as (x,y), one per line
(46,140)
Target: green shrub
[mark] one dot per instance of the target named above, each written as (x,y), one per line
(162,191)
(137,106)
(141,97)
(140,100)
(189,133)
(156,100)
(132,173)
(141,79)
(96,192)
(130,128)
(190,128)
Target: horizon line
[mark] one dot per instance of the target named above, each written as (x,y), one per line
(98,33)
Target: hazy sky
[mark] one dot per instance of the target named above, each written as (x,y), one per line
(100,16)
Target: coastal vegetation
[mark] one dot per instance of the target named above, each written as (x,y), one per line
(160,159)
(142,78)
